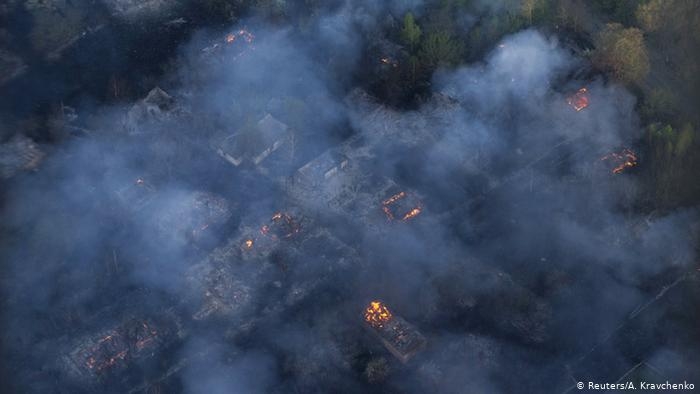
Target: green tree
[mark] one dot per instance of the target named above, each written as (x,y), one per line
(527,8)
(440,49)
(413,67)
(622,52)
(617,10)
(671,162)
(685,140)
(410,33)
(650,15)
(659,104)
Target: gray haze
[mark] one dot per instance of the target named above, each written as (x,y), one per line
(510,176)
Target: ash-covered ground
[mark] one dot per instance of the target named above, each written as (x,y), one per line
(228,231)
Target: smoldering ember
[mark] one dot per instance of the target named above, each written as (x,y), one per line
(402,196)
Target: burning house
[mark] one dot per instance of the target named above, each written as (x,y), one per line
(277,258)
(620,161)
(123,350)
(239,35)
(402,206)
(579,100)
(387,203)
(219,282)
(259,147)
(258,242)
(235,43)
(342,180)
(401,338)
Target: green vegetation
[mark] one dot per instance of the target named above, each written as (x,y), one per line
(440,49)
(648,45)
(410,33)
(669,150)
(622,52)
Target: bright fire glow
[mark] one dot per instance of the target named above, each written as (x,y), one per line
(377,314)
(248,244)
(114,347)
(244,34)
(413,213)
(623,160)
(578,100)
(394,198)
(386,207)
(283,225)
(389,62)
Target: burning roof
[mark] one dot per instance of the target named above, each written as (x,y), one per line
(401,338)
(621,160)
(402,206)
(282,225)
(241,40)
(261,241)
(377,314)
(241,34)
(115,349)
(578,100)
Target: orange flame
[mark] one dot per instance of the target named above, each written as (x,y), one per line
(283,225)
(578,100)
(248,244)
(623,160)
(103,355)
(394,198)
(377,314)
(151,336)
(413,213)
(245,34)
